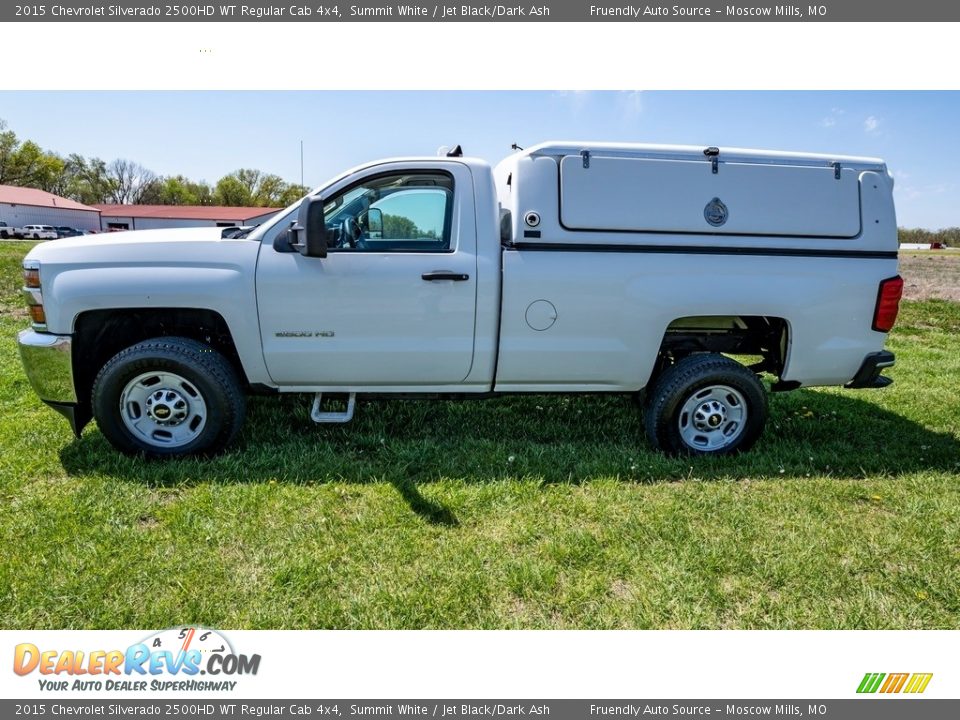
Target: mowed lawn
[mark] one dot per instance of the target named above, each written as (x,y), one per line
(532,512)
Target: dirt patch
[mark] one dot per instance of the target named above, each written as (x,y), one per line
(931,274)
(11,311)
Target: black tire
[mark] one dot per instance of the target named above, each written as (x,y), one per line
(705,375)
(205,371)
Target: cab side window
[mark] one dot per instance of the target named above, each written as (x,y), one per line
(393,213)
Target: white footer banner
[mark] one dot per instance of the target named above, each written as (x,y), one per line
(211,664)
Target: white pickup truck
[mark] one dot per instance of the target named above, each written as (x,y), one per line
(6,231)
(571,267)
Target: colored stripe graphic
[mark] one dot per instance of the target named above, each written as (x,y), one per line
(918,683)
(870,682)
(894,683)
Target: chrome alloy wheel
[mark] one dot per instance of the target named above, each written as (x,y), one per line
(163,409)
(713,418)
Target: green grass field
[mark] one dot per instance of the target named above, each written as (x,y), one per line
(532,512)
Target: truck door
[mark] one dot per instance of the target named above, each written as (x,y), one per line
(393,303)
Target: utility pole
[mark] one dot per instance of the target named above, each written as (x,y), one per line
(301,163)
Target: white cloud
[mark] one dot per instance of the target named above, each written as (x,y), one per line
(632,102)
(831,119)
(871,124)
(910,192)
(575,99)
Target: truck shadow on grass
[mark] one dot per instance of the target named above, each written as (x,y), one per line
(543,439)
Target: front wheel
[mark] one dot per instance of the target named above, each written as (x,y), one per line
(168,397)
(705,404)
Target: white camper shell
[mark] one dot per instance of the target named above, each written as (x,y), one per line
(599,193)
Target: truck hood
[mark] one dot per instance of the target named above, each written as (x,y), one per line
(189,268)
(181,246)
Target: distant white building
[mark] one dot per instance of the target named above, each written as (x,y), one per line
(151,217)
(921,246)
(21,206)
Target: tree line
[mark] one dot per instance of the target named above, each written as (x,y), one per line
(948,236)
(94,181)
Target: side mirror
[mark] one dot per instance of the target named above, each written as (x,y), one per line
(375,223)
(283,242)
(309,234)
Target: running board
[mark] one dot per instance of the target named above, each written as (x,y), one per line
(332,417)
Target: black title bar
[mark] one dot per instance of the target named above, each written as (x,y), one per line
(223,707)
(550,11)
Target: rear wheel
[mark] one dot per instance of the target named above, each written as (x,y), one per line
(168,397)
(705,404)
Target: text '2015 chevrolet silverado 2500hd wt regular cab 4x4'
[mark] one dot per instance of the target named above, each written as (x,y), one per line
(571,267)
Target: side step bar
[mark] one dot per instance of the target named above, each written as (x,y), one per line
(332,417)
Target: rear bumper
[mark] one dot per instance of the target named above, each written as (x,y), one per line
(868,376)
(48,361)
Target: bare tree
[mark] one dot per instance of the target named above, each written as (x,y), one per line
(129,181)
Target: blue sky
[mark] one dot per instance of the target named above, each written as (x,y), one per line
(205,135)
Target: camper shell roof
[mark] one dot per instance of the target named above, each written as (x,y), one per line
(559,149)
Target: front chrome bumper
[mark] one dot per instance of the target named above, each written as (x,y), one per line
(48,362)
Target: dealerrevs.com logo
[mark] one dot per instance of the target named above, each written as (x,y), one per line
(178,659)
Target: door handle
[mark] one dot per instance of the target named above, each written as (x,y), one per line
(444,275)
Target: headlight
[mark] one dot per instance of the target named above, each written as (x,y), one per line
(31,274)
(32,294)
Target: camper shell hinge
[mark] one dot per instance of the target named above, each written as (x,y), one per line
(836,170)
(585,154)
(714,154)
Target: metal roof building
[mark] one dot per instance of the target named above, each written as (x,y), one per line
(21,206)
(150,217)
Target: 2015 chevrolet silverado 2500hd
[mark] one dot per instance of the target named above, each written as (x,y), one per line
(571,267)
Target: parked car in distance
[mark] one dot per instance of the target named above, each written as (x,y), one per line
(38,232)
(64,231)
(8,231)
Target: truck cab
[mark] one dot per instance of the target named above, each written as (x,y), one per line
(406,286)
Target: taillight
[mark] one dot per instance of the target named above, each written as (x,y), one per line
(888,304)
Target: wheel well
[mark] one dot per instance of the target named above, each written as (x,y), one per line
(101,334)
(731,334)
